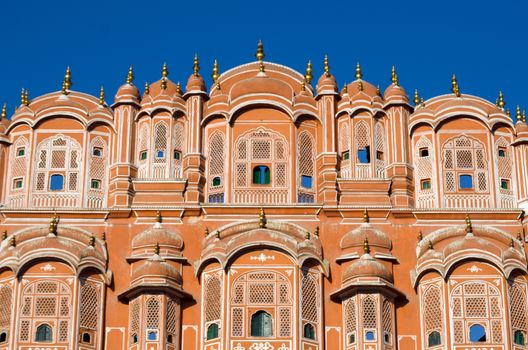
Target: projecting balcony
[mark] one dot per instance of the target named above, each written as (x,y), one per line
(56,200)
(261,195)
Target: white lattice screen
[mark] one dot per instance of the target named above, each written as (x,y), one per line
(160,152)
(134,318)
(477,301)
(45,301)
(262,146)
(519,306)
(267,289)
(216,168)
(212,298)
(369,312)
(465,156)
(423,171)
(504,166)
(379,133)
(387,315)
(6,306)
(97,169)
(306,167)
(178,142)
(350,317)
(172,318)
(362,140)
(143,146)
(344,148)
(432,311)
(18,172)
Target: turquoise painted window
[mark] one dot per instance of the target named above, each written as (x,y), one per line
(434,339)
(44,333)
(217,181)
(261,324)
(212,331)
(364,155)
(309,331)
(261,175)
(518,338)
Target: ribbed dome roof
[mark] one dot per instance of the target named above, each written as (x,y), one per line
(356,237)
(367,88)
(156,267)
(367,266)
(326,83)
(127,92)
(195,83)
(395,92)
(160,235)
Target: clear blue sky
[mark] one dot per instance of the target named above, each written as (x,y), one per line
(484,42)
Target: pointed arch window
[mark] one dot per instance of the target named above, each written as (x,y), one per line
(44,334)
(261,324)
(309,331)
(477,333)
(212,331)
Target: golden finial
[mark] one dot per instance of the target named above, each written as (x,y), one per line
(469,225)
(164,71)
(316,232)
(103,236)
(218,87)
(196,65)
(326,65)
(157,249)
(416,98)
(512,243)
(524,116)
(260,51)
(26,98)
(4,111)
(519,236)
(307,235)
(359,75)
(422,101)
(4,235)
(501,104)
(508,112)
(303,85)
(454,86)
(217,234)
(163,83)
(158,217)
(345,89)
(101,96)
(430,245)
(394,76)
(518,114)
(215,74)
(23,97)
(92,241)
(308,75)
(206,232)
(360,86)
(178,88)
(130,76)
(420,235)
(378,90)
(366,246)
(366,216)
(12,241)
(261,67)
(262,218)
(53,226)
(147,88)
(66,85)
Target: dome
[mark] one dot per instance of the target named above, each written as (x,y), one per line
(127,92)
(326,84)
(156,90)
(261,85)
(356,237)
(395,93)
(354,87)
(367,266)
(159,235)
(195,83)
(156,268)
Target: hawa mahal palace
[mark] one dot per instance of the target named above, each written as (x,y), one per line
(268,212)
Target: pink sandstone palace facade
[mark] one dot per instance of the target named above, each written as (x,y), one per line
(263,213)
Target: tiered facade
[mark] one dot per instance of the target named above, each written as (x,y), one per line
(263,214)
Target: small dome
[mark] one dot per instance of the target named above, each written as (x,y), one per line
(195,83)
(4,124)
(261,84)
(395,92)
(367,88)
(156,268)
(356,237)
(127,92)
(326,84)
(367,266)
(155,89)
(159,235)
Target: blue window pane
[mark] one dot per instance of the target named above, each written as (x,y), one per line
(56,182)
(466,182)
(364,155)
(152,335)
(306,181)
(160,154)
(477,334)
(261,175)
(369,335)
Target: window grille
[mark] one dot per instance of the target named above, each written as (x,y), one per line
(423,165)
(432,311)
(380,149)
(97,169)
(344,149)
(216,160)
(519,310)
(306,167)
